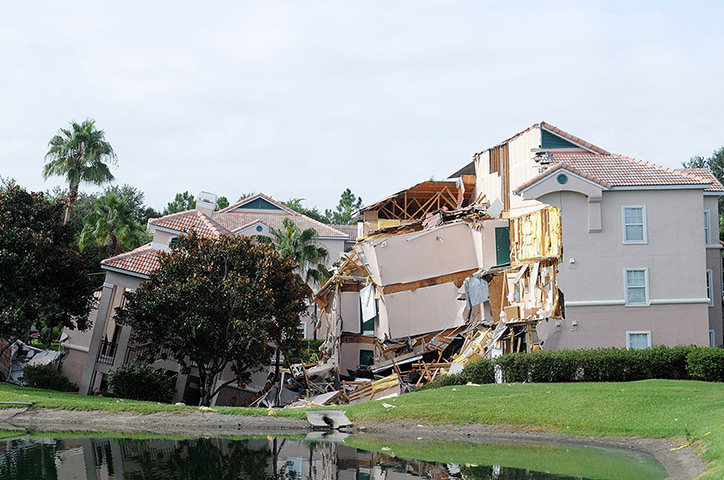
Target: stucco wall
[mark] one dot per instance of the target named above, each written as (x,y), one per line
(714,263)
(592,272)
(606,326)
(674,253)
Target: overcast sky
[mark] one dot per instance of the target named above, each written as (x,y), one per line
(302,99)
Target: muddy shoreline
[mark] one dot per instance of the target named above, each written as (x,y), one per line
(681,464)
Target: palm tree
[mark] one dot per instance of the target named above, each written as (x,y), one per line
(112,225)
(302,246)
(80,154)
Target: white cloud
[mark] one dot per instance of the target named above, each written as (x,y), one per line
(305,99)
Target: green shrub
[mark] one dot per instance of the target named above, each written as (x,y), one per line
(141,382)
(666,362)
(480,371)
(515,367)
(706,364)
(47,377)
(445,381)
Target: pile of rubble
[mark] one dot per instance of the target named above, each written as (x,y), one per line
(421,296)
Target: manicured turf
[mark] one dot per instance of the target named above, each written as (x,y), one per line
(679,410)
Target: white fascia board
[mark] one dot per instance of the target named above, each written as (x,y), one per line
(713,194)
(334,238)
(125,272)
(568,172)
(661,301)
(167,230)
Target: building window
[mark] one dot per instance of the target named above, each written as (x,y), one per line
(637,287)
(303,329)
(707,227)
(366,357)
(712,340)
(634,224)
(638,340)
(709,285)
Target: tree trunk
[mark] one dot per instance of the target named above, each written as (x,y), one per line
(72,196)
(206,384)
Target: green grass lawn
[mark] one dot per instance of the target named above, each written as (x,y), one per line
(678,410)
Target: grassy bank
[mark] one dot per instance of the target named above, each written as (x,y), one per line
(680,410)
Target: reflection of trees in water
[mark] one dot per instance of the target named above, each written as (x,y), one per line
(28,460)
(221,459)
(196,459)
(496,472)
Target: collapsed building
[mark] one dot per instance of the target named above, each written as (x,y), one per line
(435,280)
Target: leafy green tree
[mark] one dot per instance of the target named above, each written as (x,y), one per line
(181,202)
(80,154)
(715,163)
(43,276)
(296,205)
(302,247)
(245,195)
(342,215)
(134,198)
(222,203)
(218,302)
(112,226)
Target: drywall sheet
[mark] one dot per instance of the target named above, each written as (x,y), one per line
(423,310)
(367,300)
(425,254)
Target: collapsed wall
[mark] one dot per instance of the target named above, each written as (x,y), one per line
(416,301)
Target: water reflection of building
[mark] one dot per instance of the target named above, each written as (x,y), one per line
(213,458)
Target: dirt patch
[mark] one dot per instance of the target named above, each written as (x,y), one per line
(681,464)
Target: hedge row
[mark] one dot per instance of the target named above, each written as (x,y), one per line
(596,365)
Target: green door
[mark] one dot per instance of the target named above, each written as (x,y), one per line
(502,245)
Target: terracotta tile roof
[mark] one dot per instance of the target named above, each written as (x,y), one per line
(235,218)
(250,199)
(239,219)
(142,260)
(613,170)
(552,129)
(350,230)
(706,175)
(191,220)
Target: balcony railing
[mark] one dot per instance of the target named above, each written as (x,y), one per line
(107,352)
(146,353)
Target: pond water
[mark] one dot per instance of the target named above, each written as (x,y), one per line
(86,458)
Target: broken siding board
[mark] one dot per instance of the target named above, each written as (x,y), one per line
(536,235)
(456,278)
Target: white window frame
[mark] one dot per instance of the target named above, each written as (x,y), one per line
(626,286)
(710,287)
(712,338)
(642,332)
(644,225)
(707,227)
(303,328)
